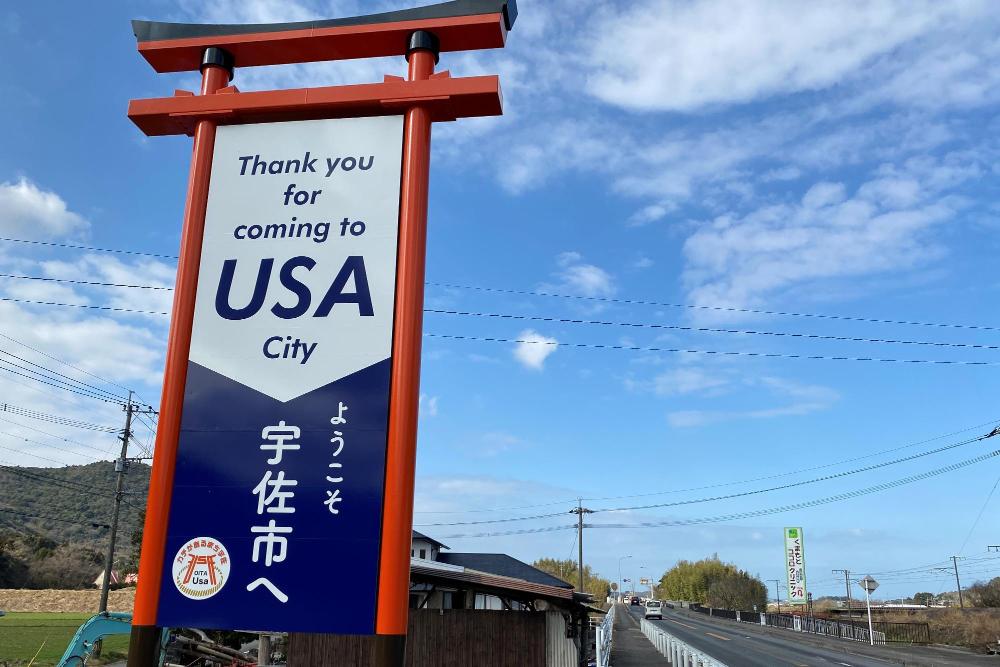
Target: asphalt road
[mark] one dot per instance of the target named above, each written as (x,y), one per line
(749,645)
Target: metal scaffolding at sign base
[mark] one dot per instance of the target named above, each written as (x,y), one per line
(677,652)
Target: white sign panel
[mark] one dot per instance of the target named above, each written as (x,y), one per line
(298,265)
(280,479)
(795,566)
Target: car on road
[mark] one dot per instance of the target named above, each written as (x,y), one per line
(635,601)
(654,609)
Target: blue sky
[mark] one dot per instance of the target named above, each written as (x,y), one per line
(821,159)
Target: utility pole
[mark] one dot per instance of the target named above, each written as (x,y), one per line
(579,511)
(121,468)
(847,584)
(954,562)
(777,593)
(121,465)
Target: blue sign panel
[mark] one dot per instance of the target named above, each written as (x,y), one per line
(276,511)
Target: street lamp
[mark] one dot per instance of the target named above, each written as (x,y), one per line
(620,575)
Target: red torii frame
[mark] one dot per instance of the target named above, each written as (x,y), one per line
(423,97)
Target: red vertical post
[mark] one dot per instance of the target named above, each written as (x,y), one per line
(404,396)
(144,642)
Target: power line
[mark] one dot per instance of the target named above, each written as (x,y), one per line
(51,384)
(94,283)
(810,469)
(595,346)
(37,456)
(523,531)
(45,369)
(753,513)
(75,488)
(979,516)
(811,503)
(724,484)
(92,524)
(752,311)
(544,293)
(90,248)
(58,360)
(55,419)
(52,435)
(717,353)
(45,444)
(532,318)
(727,496)
(84,305)
(678,327)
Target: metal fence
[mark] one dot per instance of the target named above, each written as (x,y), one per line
(885,632)
(678,653)
(604,637)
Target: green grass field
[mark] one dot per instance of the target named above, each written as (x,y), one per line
(21,635)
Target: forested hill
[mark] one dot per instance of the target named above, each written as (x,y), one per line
(60,504)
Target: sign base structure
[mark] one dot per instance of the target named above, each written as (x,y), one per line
(291,385)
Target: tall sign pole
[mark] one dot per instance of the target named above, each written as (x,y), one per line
(288,418)
(144,644)
(404,403)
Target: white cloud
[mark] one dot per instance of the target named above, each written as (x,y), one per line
(498,442)
(102,268)
(740,260)
(688,380)
(27,211)
(428,405)
(534,349)
(93,344)
(798,399)
(683,56)
(651,213)
(462,493)
(782,174)
(642,262)
(578,277)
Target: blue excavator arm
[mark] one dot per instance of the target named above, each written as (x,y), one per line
(94,629)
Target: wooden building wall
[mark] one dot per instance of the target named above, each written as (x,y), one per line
(438,638)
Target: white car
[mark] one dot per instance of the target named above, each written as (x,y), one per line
(654,609)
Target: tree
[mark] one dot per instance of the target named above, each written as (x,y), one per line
(737,591)
(566,570)
(712,582)
(923,598)
(985,594)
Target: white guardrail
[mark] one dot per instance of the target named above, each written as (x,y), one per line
(680,654)
(604,636)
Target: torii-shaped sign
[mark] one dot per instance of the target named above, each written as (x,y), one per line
(421,98)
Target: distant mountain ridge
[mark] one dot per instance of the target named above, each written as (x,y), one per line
(60,504)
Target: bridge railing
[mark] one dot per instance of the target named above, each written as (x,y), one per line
(605,637)
(885,632)
(677,652)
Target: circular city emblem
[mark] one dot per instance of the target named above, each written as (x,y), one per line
(201,568)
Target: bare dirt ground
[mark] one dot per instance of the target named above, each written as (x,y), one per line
(48,600)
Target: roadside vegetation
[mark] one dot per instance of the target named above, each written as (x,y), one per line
(713,583)
(566,570)
(27,635)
